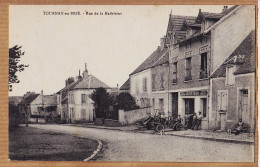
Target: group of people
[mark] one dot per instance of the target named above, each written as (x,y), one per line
(193,121)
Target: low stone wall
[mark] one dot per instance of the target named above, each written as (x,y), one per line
(99,121)
(129,117)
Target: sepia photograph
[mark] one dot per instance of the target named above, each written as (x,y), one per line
(132,83)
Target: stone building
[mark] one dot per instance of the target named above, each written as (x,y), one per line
(233,87)
(196,50)
(80,105)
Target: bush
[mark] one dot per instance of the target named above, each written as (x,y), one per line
(126,101)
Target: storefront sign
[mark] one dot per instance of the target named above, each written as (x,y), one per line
(194,93)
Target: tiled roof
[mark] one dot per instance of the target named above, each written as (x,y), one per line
(126,85)
(243,57)
(28,99)
(64,91)
(177,22)
(162,60)
(150,60)
(49,100)
(209,15)
(90,82)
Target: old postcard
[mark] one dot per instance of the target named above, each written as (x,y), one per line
(165,83)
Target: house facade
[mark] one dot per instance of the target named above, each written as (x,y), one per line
(80,105)
(195,52)
(141,78)
(233,88)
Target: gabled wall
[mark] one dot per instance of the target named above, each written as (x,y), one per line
(227,35)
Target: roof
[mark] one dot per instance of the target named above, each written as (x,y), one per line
(176,22)
(162,60)
(49,100)
(126,85)
(203,15)
(243,57)
(27,100)
(64,91)
(150,60)
(90,82)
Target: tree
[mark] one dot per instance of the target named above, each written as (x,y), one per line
(15,54)
(126,101)
(102,100)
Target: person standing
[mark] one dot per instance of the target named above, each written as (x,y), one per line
(199,119)
(194,122)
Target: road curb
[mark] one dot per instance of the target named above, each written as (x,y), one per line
(95,152)
(213,139)
(194,137)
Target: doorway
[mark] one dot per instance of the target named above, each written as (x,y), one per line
(243,108)
(174,105)
(189,106)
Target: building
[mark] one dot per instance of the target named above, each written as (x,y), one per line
(80,105)
(62,97)
(125,87)
(197,47)
(38,106)
(140,78)
(27,105)
(233,88)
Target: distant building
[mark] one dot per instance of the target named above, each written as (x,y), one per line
(38,106)
(62,97)
(233,87)
(14,100)
(125,87)
(80,105)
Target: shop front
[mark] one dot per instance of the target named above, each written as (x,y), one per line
(191,102)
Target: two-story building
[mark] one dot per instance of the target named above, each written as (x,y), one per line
(80,105)
(140,78)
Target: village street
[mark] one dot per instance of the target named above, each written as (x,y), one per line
(128,146)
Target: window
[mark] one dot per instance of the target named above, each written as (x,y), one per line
(83,98)
(161,104)
(188,69)
(203,66)
(145,84)
(72,112)
(162,81)
(174,73)
(230,78)
(153,102)
(147,102)
(222,101)
(204,106)
(153,81)
(136,87)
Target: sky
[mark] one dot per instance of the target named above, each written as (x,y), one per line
(58,46)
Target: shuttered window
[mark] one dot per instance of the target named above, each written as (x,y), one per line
(222,101)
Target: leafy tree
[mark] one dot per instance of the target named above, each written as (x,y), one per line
(15,54)
(126,101)
(102,100)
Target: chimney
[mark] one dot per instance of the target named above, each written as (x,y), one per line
(85,73)
(224,8)
(199,10)
(163,43)
(69,81)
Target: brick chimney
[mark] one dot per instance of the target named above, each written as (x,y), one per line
(163,40)
(224,8)
(85,72)
(69,81)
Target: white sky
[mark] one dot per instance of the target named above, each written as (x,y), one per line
(57,46)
